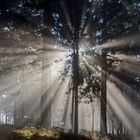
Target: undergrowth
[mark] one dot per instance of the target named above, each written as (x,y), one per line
(43,134)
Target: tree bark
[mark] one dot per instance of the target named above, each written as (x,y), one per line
(45,120)
(75,86)
(112,127)
(72,113)
(103,121)
(92,117)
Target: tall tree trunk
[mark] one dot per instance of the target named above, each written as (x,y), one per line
(72,113)
(75,86)
(92,117)
(45,120)
(16,108)
(103,122)
(15,112)
(76,111)
(45,113)
(112,127)
(121,129)
(6,110)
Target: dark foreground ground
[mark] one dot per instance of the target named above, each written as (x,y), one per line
(7,133)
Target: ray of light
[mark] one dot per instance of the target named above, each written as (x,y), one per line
(124,109)
(129,40)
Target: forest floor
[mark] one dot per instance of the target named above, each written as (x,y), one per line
(7,133)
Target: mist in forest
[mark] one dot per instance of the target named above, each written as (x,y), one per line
(70,65)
